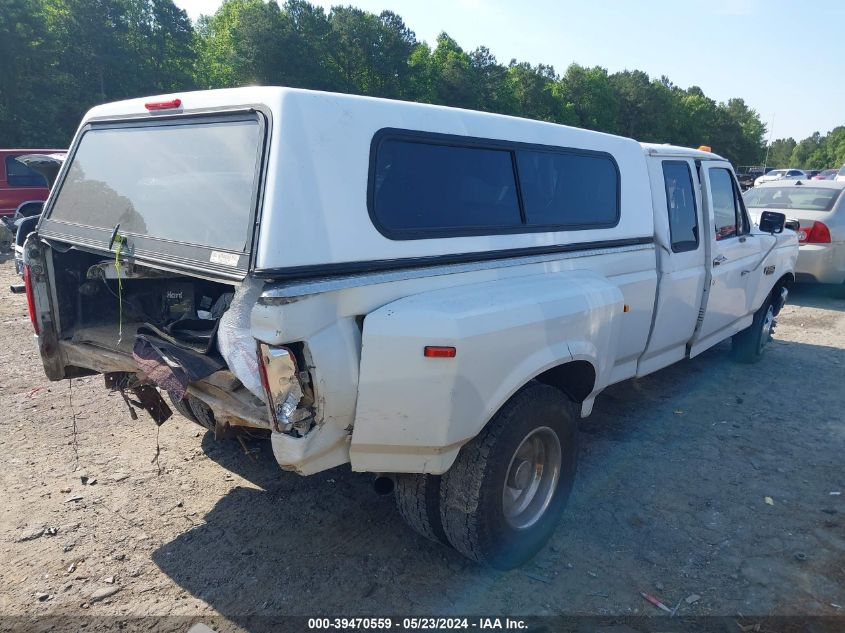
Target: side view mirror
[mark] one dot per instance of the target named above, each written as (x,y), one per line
(772,222)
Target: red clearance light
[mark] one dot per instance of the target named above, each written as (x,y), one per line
(436,351)
(163,105)
(30,299)
(816,234)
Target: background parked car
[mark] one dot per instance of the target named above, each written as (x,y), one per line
(840,175)
(819,208)
(781,174)
(20,184)
(812,173)
(25,218)
(826,174)
(747,174)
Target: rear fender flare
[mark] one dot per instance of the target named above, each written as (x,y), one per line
(413,413)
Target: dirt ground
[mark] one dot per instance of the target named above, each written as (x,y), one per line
(707,479)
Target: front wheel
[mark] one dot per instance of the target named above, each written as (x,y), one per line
(502,498)
(747,346)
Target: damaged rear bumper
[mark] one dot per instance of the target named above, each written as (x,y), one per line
(221,391)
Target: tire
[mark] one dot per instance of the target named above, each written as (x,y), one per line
(182,407)
(747,346)
(418,500)
(482,519)
(203,415)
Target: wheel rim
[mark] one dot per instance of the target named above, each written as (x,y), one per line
(768,323)
(533,475)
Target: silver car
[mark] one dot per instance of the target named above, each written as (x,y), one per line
(819,208)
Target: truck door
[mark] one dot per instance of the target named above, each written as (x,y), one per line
(681,253)
(733,251)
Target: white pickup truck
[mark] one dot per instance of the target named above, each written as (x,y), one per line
(430,294)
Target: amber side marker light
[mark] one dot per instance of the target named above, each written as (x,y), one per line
(435,351)
(163,105)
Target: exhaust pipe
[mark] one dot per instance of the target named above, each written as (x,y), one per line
(383,485)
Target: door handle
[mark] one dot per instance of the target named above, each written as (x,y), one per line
(721,259)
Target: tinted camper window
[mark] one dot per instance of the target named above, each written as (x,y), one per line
(190,182)
(431,185)
(568,190)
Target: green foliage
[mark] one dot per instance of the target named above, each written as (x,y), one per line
(24,49)
(63,56)
(814,152)
(780,152)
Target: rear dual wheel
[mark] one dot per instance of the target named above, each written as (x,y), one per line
(195,410)
(502,498)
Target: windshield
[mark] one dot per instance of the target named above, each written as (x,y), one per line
(806,198)
(777,172)
(190,182)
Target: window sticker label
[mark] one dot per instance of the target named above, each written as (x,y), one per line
(226,259)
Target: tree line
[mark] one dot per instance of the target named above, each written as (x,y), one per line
(60,57)
(814,152)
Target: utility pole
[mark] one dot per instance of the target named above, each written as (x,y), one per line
(769,144)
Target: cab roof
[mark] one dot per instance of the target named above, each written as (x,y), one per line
(665,149)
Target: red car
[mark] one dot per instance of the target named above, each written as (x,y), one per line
(19,183)
(827,174)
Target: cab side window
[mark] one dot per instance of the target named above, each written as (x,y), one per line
(743,224)
(680,204)
(728,211)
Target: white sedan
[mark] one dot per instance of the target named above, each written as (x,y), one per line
(780,174)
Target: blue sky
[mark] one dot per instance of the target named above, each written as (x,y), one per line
(784,58)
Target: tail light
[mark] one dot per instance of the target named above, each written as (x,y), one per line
(30,299)
(816,234)
(280,379)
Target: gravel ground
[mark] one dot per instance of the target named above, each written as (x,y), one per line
(709,483)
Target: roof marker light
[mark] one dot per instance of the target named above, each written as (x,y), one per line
(163,105)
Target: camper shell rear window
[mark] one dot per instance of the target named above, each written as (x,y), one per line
(425,185)
(184,188)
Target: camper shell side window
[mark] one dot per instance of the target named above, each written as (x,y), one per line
(426,185)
